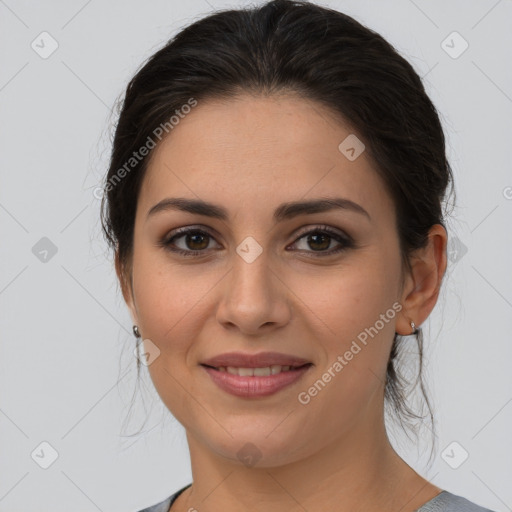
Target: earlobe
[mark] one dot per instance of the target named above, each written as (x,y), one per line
(428,266)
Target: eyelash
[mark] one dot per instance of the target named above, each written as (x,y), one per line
(346,241)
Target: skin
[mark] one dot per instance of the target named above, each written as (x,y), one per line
(250,155)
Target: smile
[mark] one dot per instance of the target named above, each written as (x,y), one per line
(255,382)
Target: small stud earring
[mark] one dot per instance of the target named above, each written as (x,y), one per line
(136,331)
(413,326)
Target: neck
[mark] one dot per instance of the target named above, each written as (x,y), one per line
(356,471)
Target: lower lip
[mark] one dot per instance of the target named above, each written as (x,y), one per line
(252,386)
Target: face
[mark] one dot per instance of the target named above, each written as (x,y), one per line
(309,283)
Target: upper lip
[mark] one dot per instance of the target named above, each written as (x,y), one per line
(259,360)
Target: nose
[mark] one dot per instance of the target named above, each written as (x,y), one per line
(254,297)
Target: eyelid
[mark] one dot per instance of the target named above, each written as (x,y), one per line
(344,240)
(214,233)
(185,230)
(321,227)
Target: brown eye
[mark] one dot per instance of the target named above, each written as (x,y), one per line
(319,240)
(193,242)
(196,241)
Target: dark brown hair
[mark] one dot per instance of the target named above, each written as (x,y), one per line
(323,55)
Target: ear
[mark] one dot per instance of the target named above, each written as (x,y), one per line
(423,283)
(126,287)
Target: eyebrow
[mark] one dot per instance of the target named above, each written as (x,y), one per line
(283,212)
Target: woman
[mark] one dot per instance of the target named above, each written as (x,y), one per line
(274,201)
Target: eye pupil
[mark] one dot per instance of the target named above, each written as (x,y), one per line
(313,239)
(196,236)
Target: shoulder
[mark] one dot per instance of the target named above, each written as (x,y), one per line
(448,502)
(164,506)
(443,502)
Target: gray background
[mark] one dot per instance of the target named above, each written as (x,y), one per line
(67,371)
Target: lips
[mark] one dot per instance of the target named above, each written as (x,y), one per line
(258,360)
(252,387)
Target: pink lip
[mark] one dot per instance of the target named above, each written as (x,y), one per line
(258,360)
(253,386)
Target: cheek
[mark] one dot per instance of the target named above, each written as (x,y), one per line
(352,299)
(167,297)
(352,375)
(172,314)
(176,308)
(358,308)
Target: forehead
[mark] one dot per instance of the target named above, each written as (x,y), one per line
(252,151)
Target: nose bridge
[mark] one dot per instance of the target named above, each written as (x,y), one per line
(251,273)
(252,296)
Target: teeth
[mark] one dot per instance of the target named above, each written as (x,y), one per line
(258,372)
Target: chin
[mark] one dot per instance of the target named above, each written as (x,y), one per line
(254,447)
